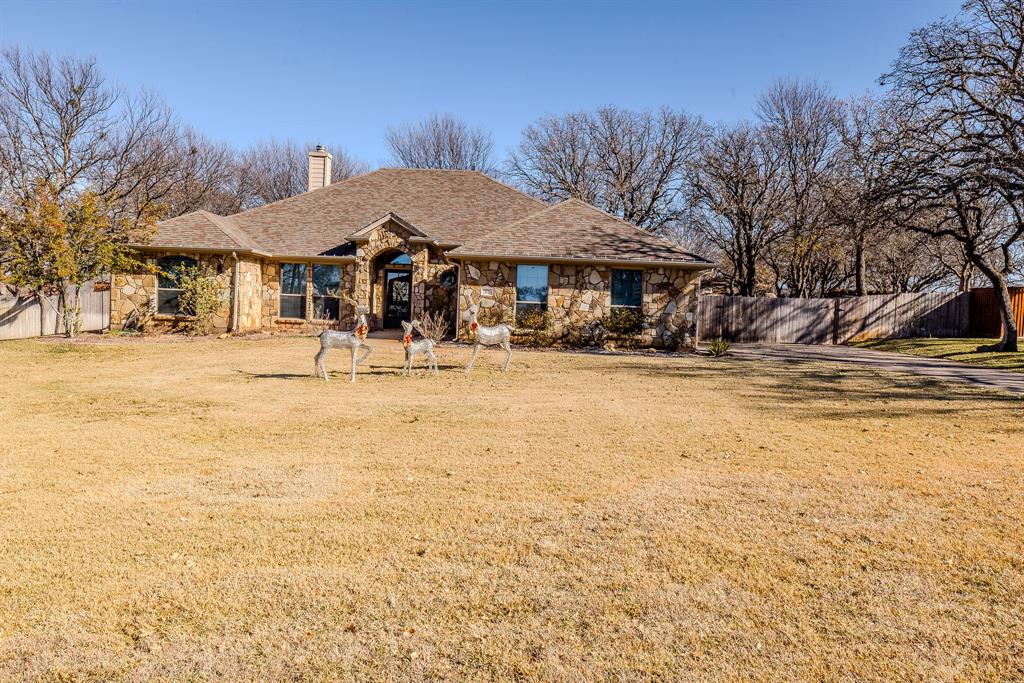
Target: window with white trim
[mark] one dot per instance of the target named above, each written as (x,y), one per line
(326,291)
(531,294)
(293,290)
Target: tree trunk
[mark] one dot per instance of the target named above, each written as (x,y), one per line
(42,313)
(859,264)
(67,309)
(1009,340)
(750,274)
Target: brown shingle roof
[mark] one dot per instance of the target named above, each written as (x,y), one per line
(575,230)
(464,208)
(449,206)
(203,230)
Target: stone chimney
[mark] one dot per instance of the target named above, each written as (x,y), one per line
(319,168)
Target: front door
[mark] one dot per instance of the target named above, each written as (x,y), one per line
(397,297)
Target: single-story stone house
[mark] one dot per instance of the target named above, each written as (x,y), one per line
(408,242)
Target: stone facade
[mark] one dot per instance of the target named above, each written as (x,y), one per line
(428,265)
(579,297)
(250,286)
(670,306)
(578,304)
(270,297)
(133,298)
(491,285)
(133,301)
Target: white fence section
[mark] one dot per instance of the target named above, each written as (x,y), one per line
(20,315)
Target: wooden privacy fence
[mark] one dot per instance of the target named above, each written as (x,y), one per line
(985,318)
(832,321)
(19,315)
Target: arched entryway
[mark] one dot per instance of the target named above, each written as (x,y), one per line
(391,300)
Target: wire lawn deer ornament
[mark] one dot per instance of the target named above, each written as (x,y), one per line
(333,339)
(423,347)
(489,335)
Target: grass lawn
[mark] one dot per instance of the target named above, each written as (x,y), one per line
(963,350)
(207,510)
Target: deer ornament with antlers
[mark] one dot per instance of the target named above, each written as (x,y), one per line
(423,347)
(333,339)
(489,335)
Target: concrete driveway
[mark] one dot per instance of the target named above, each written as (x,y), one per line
(953,371)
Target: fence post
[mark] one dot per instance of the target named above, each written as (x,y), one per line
(835,321)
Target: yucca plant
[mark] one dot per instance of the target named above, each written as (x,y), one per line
(718,347)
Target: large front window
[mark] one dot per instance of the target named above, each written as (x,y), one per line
(168,285)
(293,290)
(627,299)
(531,295)
(326,291)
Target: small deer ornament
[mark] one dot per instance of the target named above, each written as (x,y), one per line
(423,347)
(489,335)
(332,339)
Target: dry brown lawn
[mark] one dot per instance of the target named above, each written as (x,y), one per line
(209,511)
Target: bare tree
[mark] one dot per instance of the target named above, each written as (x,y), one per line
(630,163)
(441,141)
(852,191)
(800,124)
(556,159)
(185,171)
(958,86)
(62,124)
(277,169)
(736,193)
(904,261)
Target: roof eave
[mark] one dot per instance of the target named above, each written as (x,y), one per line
(363,233)
(316,258)
(646,263)
(199,250)
(319,258)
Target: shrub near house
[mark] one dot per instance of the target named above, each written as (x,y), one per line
(407,243)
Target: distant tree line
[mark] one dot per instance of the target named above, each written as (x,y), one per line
(918,186)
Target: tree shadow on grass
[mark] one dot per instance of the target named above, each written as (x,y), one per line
(381,370)
(820,389)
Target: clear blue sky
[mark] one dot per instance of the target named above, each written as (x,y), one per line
(345,71)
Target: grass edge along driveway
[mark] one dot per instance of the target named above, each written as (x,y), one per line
(963,350)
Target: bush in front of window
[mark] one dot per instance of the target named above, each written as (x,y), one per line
(533,318)
(624,321)
(533,326)
(199,299)
(493,315)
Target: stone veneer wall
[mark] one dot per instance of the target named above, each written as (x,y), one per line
(250,286)
(133,301)
(579,294)
(491,285)
(427,266)
(270,297)
(670,306)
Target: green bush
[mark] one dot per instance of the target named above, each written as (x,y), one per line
(199,299)
(533,327)
(718,347)
(624,321)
